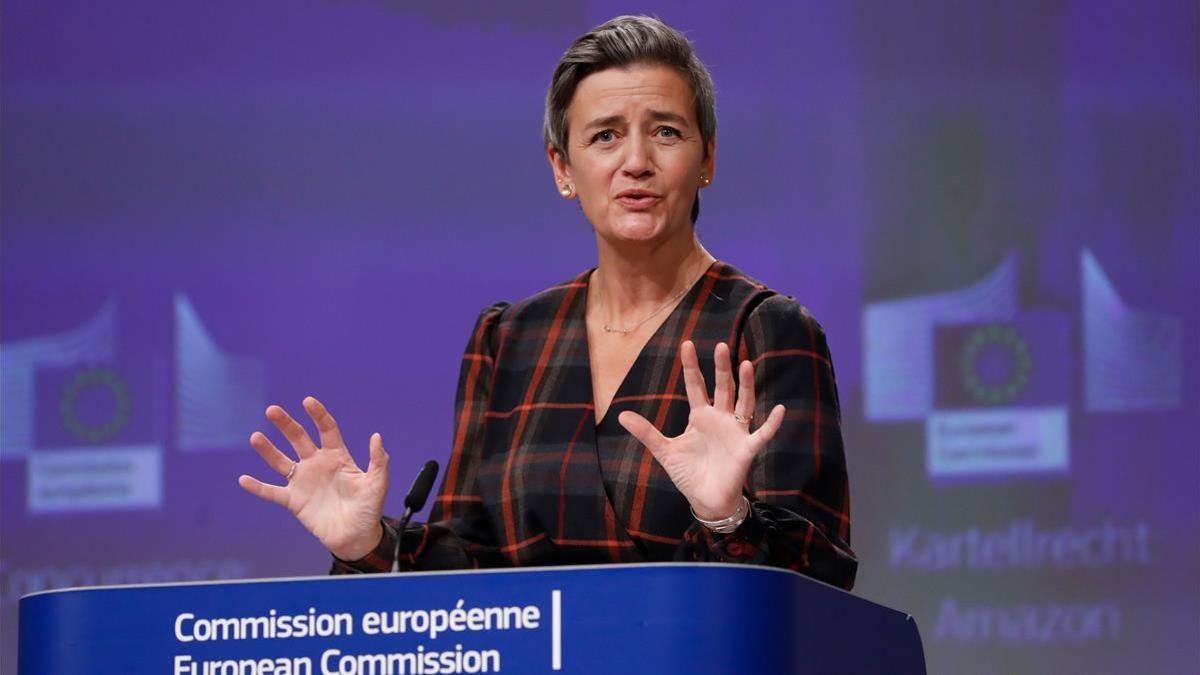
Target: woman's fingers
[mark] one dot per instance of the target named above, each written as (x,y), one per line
(643,430)
(745,397)
(379,457)
(693,379)
(331,437)
(281,463)
(292,430)
(271,493)
(723,385)
(766,432)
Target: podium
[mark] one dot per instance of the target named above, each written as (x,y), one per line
(647,618)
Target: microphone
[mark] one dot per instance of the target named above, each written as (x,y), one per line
(413,502)
(419,492)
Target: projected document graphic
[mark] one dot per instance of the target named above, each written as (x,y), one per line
(220,397)
(1132,358)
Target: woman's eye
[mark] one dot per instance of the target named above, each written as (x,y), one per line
(605,136)
(668,132)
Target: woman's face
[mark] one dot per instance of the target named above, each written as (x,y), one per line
(636,155)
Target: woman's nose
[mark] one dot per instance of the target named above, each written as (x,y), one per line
(637,158)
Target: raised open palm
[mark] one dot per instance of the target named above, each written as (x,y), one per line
(336,501)
(710,460)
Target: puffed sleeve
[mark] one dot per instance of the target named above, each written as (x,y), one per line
(797,486)
(459,534)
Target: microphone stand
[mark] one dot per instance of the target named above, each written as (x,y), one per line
(414,501)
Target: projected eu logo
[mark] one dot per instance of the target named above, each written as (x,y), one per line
(1002,396)
(91,420)
(83,387)
(993,383)
(97,444)
(994,363)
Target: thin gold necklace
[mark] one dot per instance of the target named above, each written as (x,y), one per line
(626,331)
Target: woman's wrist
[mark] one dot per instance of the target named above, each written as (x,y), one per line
(363,548)
(728,523)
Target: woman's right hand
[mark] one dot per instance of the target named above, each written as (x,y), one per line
(339,503)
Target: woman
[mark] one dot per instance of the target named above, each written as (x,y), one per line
(585,430)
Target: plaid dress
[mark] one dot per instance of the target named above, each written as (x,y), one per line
(534,479)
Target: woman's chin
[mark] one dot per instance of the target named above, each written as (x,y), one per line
(636,227)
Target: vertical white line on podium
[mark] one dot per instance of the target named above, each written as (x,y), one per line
(556,630)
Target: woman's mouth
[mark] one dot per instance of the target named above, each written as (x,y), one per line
(638,200)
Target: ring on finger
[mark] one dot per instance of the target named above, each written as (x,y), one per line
(743,419)
(291,472)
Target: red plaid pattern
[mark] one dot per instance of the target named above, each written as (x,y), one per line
(534,479)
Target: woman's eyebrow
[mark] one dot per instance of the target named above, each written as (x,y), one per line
(654,115)
(608,121)
(666,116)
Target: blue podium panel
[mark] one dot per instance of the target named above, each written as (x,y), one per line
(659,618)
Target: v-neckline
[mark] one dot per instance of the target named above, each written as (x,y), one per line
(672,316)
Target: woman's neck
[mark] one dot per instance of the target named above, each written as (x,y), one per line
(632,281)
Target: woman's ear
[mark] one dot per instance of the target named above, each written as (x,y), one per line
(709,165)
(562,172)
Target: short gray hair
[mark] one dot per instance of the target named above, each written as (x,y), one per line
(624,41)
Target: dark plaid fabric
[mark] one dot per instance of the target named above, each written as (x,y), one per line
(534,479)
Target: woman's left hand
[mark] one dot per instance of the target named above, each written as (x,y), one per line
(710,460)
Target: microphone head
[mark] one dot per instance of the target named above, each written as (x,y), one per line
(422,485)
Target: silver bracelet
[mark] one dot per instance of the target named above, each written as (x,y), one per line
(727,525)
